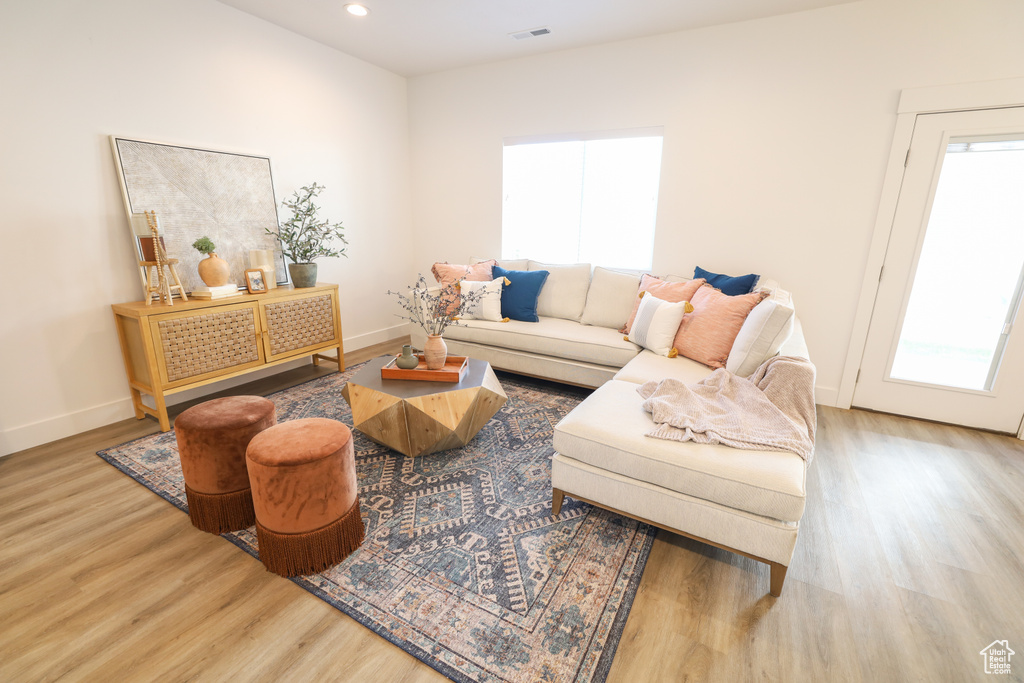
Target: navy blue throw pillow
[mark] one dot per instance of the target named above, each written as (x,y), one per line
(519,299)
(733,286)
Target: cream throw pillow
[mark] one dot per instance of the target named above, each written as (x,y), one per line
(656,323)
(489,305)
(564,293)
(767,327)
(610,298)
(507,264)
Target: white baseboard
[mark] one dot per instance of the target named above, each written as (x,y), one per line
(826,396)
(60,426)
(37,433)
(380,336)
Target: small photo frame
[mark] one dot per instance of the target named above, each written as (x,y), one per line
(256,281)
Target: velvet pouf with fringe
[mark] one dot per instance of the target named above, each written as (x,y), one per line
(313,551)
(219,513)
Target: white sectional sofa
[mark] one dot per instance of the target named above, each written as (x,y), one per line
(748,502)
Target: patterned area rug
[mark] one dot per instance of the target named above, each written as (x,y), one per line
(463,565)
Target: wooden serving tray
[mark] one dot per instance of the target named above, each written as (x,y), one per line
(454,370)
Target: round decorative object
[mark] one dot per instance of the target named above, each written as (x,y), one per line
(214,271)
(305,495)
(408,360)
(212,438)
(303,274)
(435,351)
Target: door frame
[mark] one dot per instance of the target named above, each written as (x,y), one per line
(913,101)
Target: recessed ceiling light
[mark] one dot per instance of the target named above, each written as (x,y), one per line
(357,10)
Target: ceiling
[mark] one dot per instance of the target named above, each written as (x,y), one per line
(414,37)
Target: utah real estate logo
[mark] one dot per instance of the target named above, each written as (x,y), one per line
(997,657)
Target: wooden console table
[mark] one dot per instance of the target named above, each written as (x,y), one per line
(168,349)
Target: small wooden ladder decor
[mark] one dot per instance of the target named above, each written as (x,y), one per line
(156,282)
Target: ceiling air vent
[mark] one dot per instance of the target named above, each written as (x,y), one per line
(532,33)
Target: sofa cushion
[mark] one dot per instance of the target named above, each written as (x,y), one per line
(656,324)
(765,330)
(488,306)
(707,334)
(507,264)
(565,291)
(647,366)
(757,535)
(733,285)
(550,337)
(663,289)
(448,274)
(610,298)
(520,294)
(607,431)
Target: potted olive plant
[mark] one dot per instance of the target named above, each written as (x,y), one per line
(305,236)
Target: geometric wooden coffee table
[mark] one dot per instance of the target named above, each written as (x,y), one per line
(416,417)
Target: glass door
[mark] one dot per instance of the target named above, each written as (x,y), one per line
(941,344)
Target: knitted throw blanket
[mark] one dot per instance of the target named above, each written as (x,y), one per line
(772,410)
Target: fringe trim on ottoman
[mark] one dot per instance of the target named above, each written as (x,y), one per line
(313,551)
(220,512)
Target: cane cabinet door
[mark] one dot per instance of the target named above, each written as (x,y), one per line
(193,346)
(299,324)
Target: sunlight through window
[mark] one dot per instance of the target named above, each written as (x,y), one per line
(592,201)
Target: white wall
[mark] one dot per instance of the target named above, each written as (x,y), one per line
(183,71)
(777,133)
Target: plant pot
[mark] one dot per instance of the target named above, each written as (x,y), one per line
(408,360)
(435,351)
(303,274)
(214,271)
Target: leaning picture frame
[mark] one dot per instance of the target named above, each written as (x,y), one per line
(196,192)
(256,281)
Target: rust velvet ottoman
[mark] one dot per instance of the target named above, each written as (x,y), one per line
(212,439)
(304,490)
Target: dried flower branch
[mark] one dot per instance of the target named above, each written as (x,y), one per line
(434,312)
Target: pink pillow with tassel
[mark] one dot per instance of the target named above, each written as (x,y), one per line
(448,273)
(707,334)
(672,292)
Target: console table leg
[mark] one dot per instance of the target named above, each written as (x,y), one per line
(137,403)
(161,412)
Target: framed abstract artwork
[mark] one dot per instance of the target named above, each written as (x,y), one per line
(225,196)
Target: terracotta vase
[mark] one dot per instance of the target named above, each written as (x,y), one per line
(303,274)
(435,351)
(214,271)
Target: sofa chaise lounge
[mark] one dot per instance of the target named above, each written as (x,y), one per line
(745,501)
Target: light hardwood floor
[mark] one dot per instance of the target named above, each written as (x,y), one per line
(910,561)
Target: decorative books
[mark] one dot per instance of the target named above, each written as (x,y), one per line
(214,292)
(454,370)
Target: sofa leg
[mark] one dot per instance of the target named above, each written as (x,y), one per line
(778,577)
(556,501)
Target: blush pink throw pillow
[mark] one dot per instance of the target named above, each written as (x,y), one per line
(448,273)
(707,334)
(672,292)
